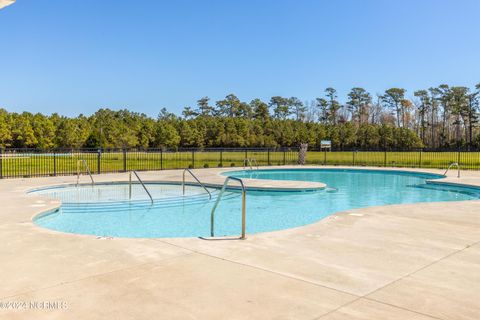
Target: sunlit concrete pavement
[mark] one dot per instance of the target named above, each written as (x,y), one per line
(418,261)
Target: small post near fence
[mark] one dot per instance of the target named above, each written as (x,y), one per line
(99,160)
(284,157)
(420,159)
(124,160)
(161,159)
(246,154)
(1,163)
(268,156)
(221,157)
(353,160)
(54,163)
(193,159)
(385,158)
(325,145)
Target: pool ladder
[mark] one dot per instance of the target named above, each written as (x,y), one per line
(451,165)
(250,163)
(244,207)
(79,163)
(217,201)
(141,182)
(199,182)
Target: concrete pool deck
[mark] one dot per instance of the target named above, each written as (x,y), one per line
(416,261)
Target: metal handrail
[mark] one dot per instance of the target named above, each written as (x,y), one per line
(254,161)
(451,165)
(88,171)
(244,205)
(199,182)
(141,182)
(248,163)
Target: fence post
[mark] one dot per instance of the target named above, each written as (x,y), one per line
(193,158)
(246,154)
(385,158)
(1,163)
(458,156)
(325,157)
(284,157)
(54,163)
(124,160)
(420,160)
(221,157)
(161,159)
(99,160)
(354,157)
(268,156)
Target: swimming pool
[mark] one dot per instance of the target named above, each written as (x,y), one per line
(105,210)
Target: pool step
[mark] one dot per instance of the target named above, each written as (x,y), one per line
(140,205)
(114,202)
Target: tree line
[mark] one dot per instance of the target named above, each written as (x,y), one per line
(441,117)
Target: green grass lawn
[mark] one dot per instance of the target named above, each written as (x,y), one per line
(23,165)
(441,160)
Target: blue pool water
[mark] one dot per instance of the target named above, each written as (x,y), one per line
(105,210)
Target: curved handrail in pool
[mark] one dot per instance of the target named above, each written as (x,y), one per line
(141,182)
(198,180)
(244,205)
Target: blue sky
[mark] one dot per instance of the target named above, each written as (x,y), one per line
(74,57)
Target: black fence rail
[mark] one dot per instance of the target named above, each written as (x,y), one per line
(17,163)
(469,160)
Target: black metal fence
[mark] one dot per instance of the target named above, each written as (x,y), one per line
(469,160)
(15,163)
